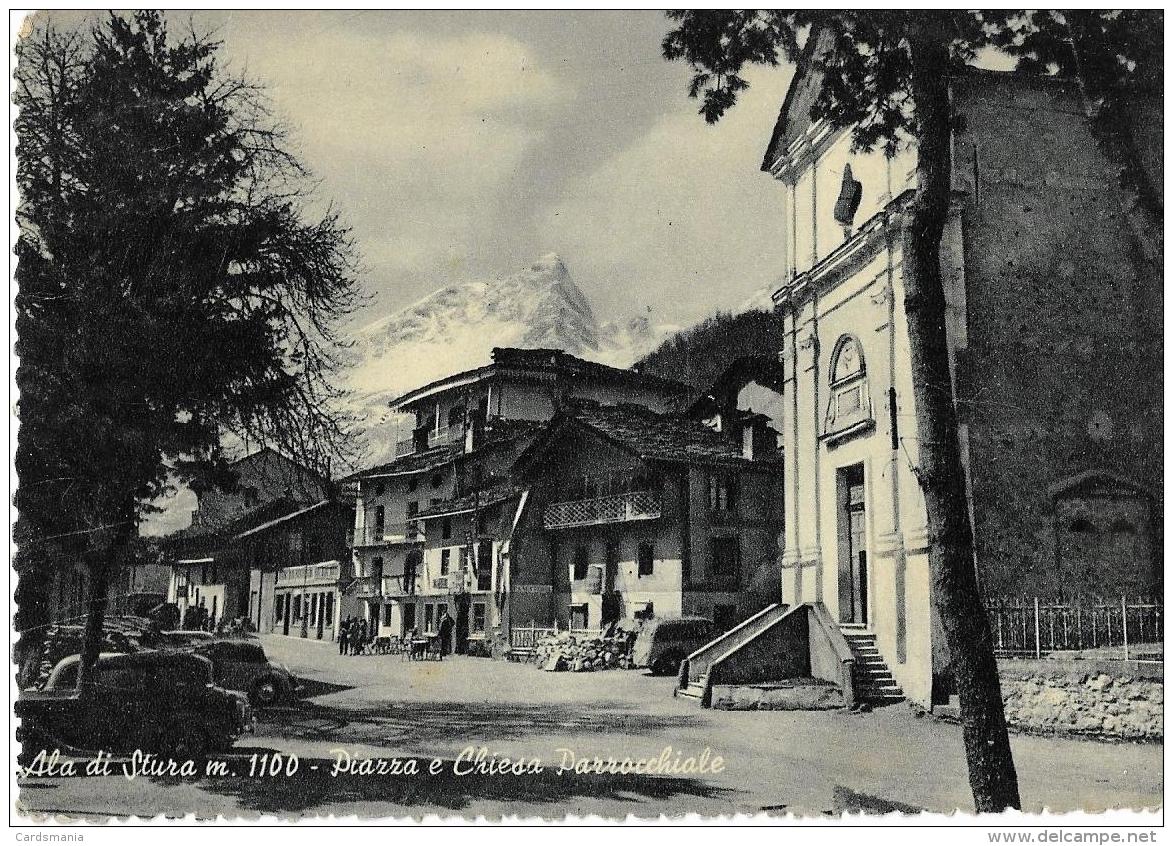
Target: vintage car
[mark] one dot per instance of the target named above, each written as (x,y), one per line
(241,664)
(161,702)
(663,643)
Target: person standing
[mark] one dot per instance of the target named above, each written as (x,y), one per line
(446,626)
(343,636)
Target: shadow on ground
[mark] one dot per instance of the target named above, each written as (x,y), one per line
(403,725)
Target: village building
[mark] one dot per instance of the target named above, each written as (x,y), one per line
(633,514)
(299,567)
(1054,330)
(467,429)
(209,575)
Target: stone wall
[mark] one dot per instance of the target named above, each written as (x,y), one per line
(1098,700)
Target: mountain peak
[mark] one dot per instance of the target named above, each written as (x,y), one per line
(551,263)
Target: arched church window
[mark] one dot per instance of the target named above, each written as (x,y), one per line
(849,407)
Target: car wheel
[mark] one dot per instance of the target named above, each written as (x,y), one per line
(667,664)
(184,742)
(265,691)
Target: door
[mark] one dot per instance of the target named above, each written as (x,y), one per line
(285,623)
(853,552)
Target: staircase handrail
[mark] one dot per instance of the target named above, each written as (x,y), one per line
(842,649)
(699,655)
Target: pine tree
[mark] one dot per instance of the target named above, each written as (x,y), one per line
(887,80)
(172,291)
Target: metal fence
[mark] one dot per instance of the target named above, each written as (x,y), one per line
(1125,628)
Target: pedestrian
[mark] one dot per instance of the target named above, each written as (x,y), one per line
(446,626)
(343,636)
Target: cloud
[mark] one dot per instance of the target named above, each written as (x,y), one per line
(415,134)
(682,218)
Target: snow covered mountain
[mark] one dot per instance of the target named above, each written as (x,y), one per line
(456,328)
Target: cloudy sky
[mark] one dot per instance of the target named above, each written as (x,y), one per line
(463,145)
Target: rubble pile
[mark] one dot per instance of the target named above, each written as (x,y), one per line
(566,652)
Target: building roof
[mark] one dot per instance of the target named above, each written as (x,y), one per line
(471,502)
(548,363)
(416,462)
(765,369)
(278,520)
(645,434)
(240,522)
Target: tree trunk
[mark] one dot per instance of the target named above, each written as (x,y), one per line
(941,473)
(1111,122)
(101,566)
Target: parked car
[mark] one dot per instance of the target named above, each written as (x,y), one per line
(182,639)
(663,643)
(241,664)
(162,702)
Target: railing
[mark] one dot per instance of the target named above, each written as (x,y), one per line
(447,435)
(371,586)
(310,574)
(528,637)
(617,508)
(374,535)
(1123,629)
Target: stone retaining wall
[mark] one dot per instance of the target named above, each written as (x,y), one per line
(1117,702)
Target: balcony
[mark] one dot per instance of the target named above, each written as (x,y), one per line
(403,448)
(404,533)
(616,508)
(446,435)
(310,574)
(371,587)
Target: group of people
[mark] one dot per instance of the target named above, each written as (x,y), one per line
(355,634)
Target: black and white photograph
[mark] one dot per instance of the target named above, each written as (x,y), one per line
(567,415)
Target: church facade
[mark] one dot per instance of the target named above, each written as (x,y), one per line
(1054,327)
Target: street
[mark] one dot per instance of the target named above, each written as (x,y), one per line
(380,707)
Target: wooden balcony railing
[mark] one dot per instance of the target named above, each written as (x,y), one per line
(310,574)
(616,508)
(377,536)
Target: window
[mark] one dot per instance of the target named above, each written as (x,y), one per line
(579,616)
(279,608)
(455,416)
(647,558)
(297,607)
(726,560)
(387,614)
(329,609)
(437,480)
(408,618)
(412,484)
(413,508)
(429,616)
(445,561)
(380,521)
(380,488)
(581,562)
(446,528)
(485,565)
(722,493)
(478,616)
(848,408)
